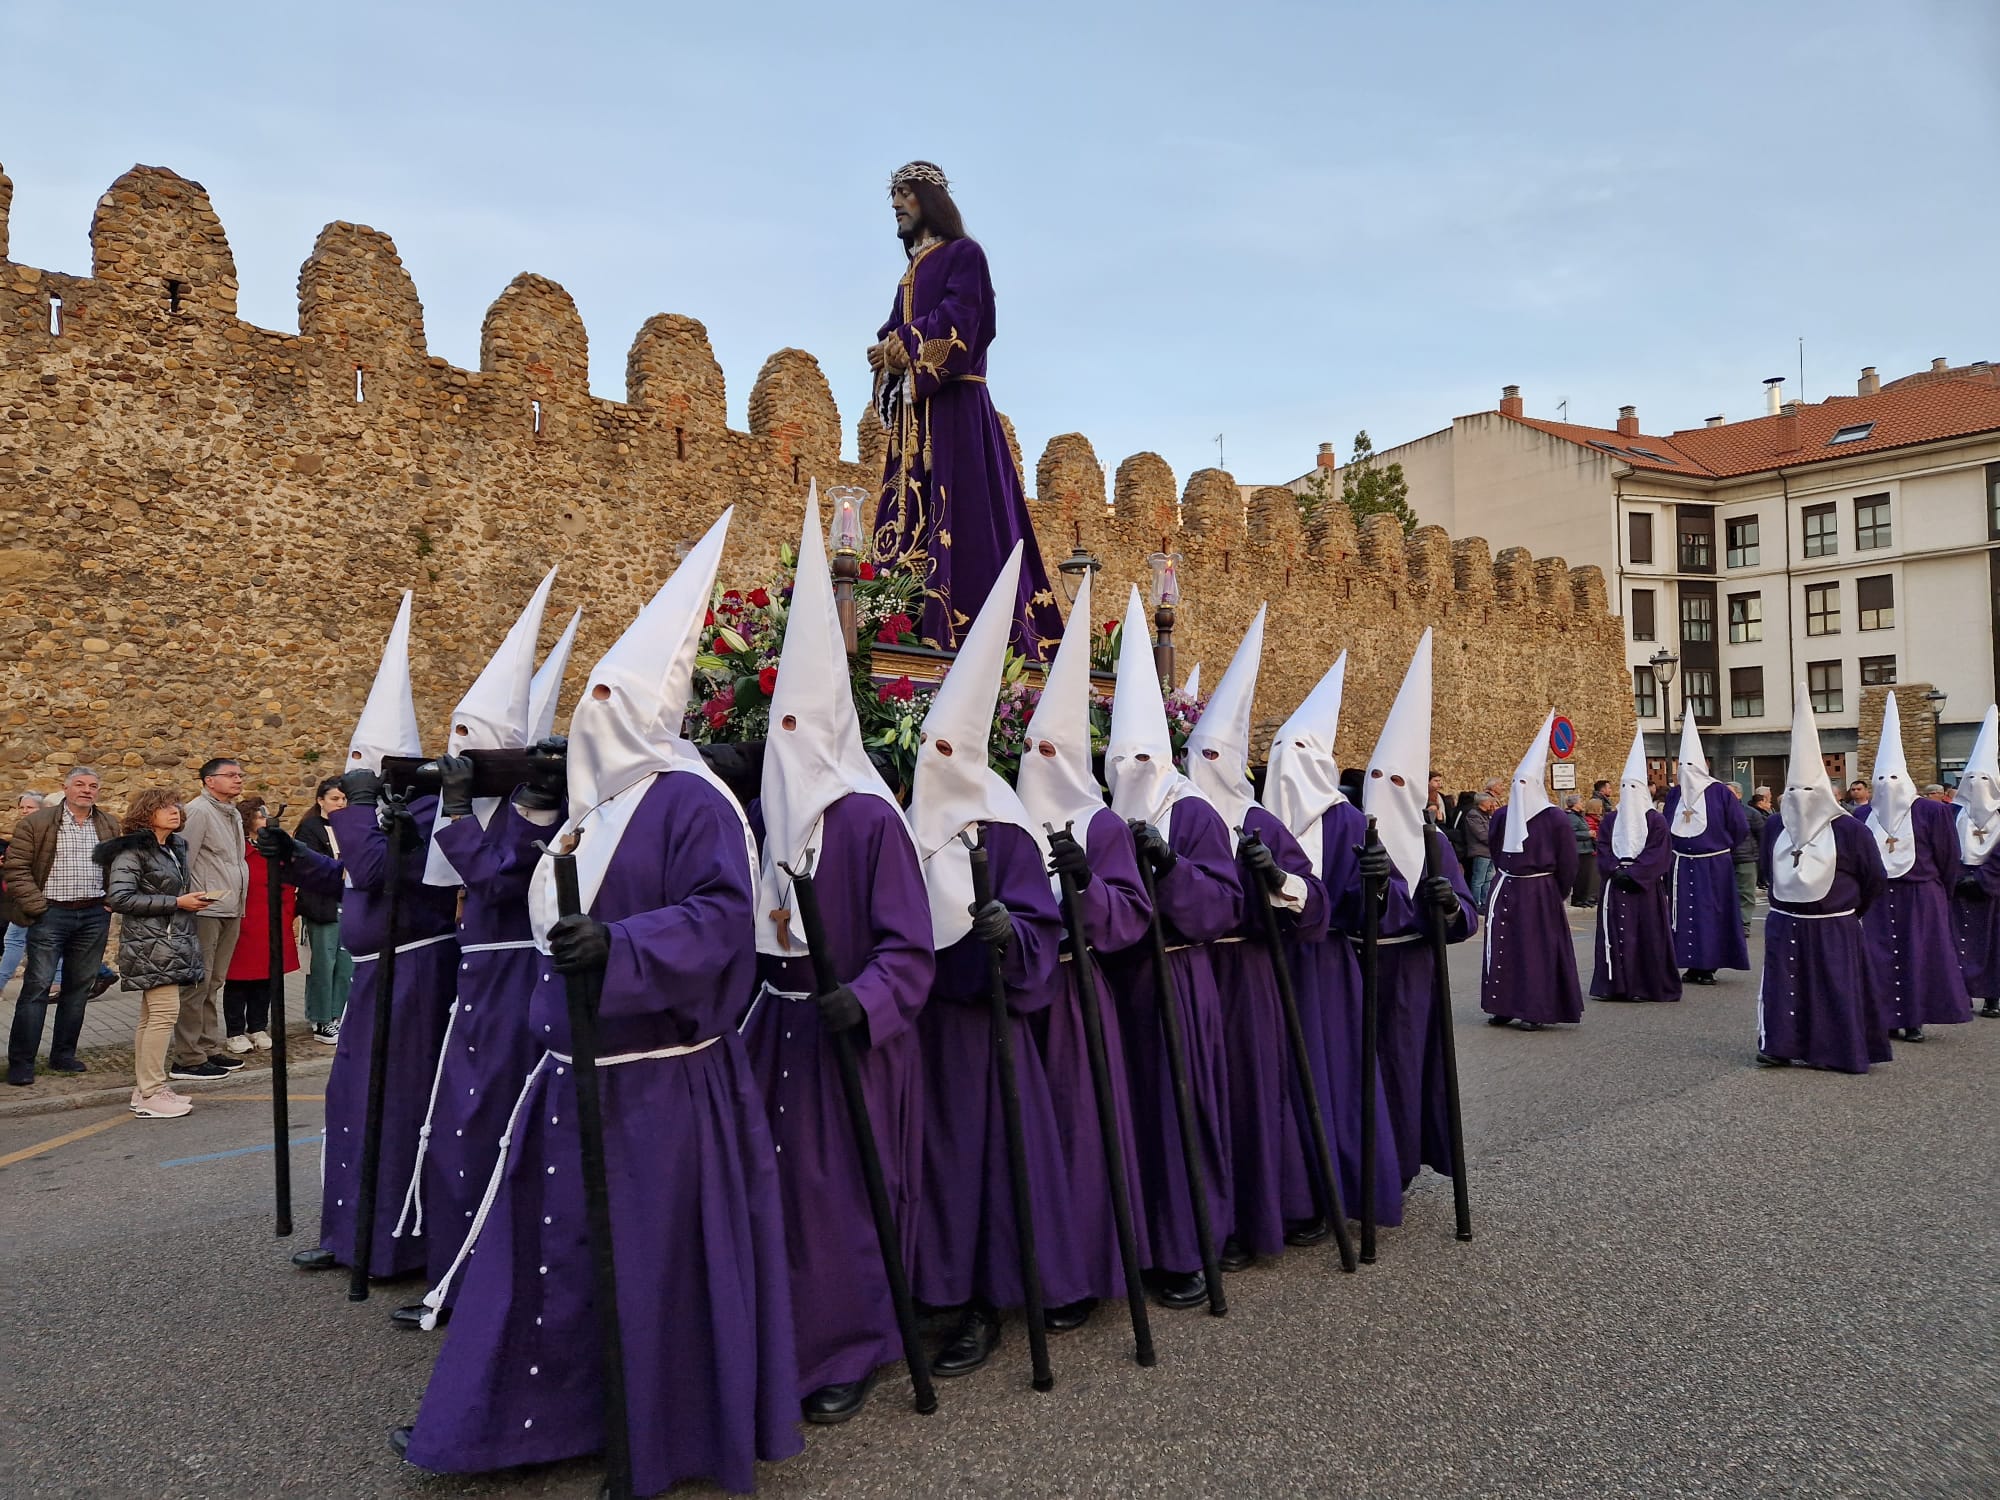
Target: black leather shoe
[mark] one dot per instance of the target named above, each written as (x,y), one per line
(1307,1232)
(20,1078)
(1765,1060)
(1499,1020)
(1913,1033)
(1234,1257)
(66,1065)
(1531,1025)
(1180,1289)
(832,1404)
(1990,1011)
(1069,1317)
(972,1344)
(399,1441)
(315,1260)
(413,1316)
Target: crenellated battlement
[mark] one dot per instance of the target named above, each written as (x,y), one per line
(204,524)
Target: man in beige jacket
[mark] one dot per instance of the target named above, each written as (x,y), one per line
(220,866)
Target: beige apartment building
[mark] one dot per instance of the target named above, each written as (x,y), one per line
(1843,543)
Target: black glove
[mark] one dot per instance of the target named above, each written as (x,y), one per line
(362,786)
(531,798)
(1969,889)
(393,817)
(994,924)
(1261,862)
(548,764)
(1625,882)
(1154,848)
(1375,864)
(1066,857)
(580,944)
(454,786)
(840,1009)
(275,844)
(1437,891)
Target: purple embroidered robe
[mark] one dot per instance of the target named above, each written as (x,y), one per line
(697,1227)
(1635,929)
(1411,1055)
(1820,1000)
(1976,921)
(950,491)
(1910,929)
(1527,969)
(878,922)
(1708,923)
(418,1010)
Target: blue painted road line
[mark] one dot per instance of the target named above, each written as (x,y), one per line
(188,1161)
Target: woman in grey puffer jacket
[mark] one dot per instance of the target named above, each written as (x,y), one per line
(147,883)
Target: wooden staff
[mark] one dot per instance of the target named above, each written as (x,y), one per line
(1461,1199)
(378,1051)
(1372,892)
(281,1110)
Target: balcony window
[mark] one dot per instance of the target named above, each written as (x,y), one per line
(1642,615)
(1878,671)
(1697,617)
(1822,523)
(1746,618)
(1639,534)
(1697,552)
(1822,609)
(1746,692)
(1741,536)
(1823,686)
(1875,601)
(1871,522)
(1645,693)
(1699,694)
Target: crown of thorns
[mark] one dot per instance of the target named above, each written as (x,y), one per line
(919,171)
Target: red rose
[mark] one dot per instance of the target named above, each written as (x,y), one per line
(766,680)
(715,710)
(719,647)
(902,690)
(731,594)
(1110,626)
(709,618)
(759,598)
(893,629)
(867,572)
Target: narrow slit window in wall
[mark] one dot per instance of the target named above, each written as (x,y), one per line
(536,407)
(680,442)
(55,314)
(360,393)
(173,296)
(795,468)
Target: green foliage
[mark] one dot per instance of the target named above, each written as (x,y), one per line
(1366,488)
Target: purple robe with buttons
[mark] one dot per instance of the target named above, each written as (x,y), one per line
(950,491)
(1635,929)
(420,1007)
(1528,958)
(1820,998)
(1411,1049)
(966,1242)
(1910,928)
(1708,923)
(1976,922)
(487,1049)
(878,931)
(1116,915)
(704,1300)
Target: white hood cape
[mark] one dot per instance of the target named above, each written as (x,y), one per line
(546,690)
(1635,800)
(1978,794)
(1399,772)
(1218,748)
(1892,797)
(1691,817)
(1528,798)
(1055,782)
(1302,778)
(388,724)
(1139,751)
(1803,858)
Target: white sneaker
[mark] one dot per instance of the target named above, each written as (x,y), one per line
(237,1043)
(163,1104)
(261,1040)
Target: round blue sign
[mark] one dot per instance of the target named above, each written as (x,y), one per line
(1562,738)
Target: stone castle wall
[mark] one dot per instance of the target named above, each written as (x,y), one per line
(205,525)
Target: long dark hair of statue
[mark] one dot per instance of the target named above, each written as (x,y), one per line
(941,219)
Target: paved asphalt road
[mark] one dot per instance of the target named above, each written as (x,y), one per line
(1690,1278)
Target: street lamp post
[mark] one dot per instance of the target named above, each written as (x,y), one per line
(1664,662)
(1934,699)
(845,543)
(1163,593)
(1072,570)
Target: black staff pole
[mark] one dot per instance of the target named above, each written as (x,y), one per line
(1372,893)
(1107,1112)
(845,1055)
(1317,1149)
(582,991)
(395,820)
(1461,1198)
(1010,1108)
(1186,1116)
(281,1107)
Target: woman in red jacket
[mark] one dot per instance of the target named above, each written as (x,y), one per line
(246,993)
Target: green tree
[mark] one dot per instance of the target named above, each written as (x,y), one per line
(1366,488)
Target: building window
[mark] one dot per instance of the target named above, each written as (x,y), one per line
(1875,600)
(1741,535)
(1645,693)
(1699,694)
(1822,609)
(1696,525)
(1823,685)
(1993,502)
(1746,618)
(1746,692)
(1642,614)
(1853,433)
(1871,522)
(1822,530)
(1639,534)
(1878,671)
(1698,616)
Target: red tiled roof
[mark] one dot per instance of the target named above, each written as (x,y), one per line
(1902,417)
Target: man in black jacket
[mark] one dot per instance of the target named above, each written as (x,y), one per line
(330,967)
(1744,855)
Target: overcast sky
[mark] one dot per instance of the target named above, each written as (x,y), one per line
(1277,222)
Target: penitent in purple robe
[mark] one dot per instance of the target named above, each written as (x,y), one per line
(966,1242)
(698,1232)
(1200,900)
(1708,923)
(1635,929)
(878,927)
(1528,958)
(487,1050)
(426,957)
(1819,1000)
(1327,976)
(1976,925)
(1910,928)
(1116,916)
(1411,1046)
(1268,1168)
(950,490)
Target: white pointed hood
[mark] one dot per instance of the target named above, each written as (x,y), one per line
(1893,796)
(1528,797)
(388,723)
(1978,794)
(1139,751)
(1635,800)
(546,689)
(1399,773)
(1218,748)
(1055,781)
(953,787)
(1192,690)
(1802,856)
(1691,817)
(813,755)
(1302,778)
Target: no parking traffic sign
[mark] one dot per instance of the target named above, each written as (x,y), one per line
(1562,738)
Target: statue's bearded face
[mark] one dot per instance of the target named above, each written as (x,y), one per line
(909,213)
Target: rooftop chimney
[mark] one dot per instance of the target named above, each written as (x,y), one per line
(1510,401)
(1628,421)
(1774,395)
(1940,364)
(1869,383)
(1714,421)
(1328,459)
(1788,428)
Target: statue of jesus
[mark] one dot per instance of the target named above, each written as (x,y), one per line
(951,504)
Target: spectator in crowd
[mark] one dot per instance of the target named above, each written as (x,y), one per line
(1454,825)
(1744,855)
(1934,791)
(246,992)
(1435,800)
(1605,792)
(58,891)
(1477,823)
(16,947)
(1858,793)
(329,967)
(214,837)
(1583,891)
(150,884)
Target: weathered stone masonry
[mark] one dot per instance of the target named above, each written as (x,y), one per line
(204,525)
